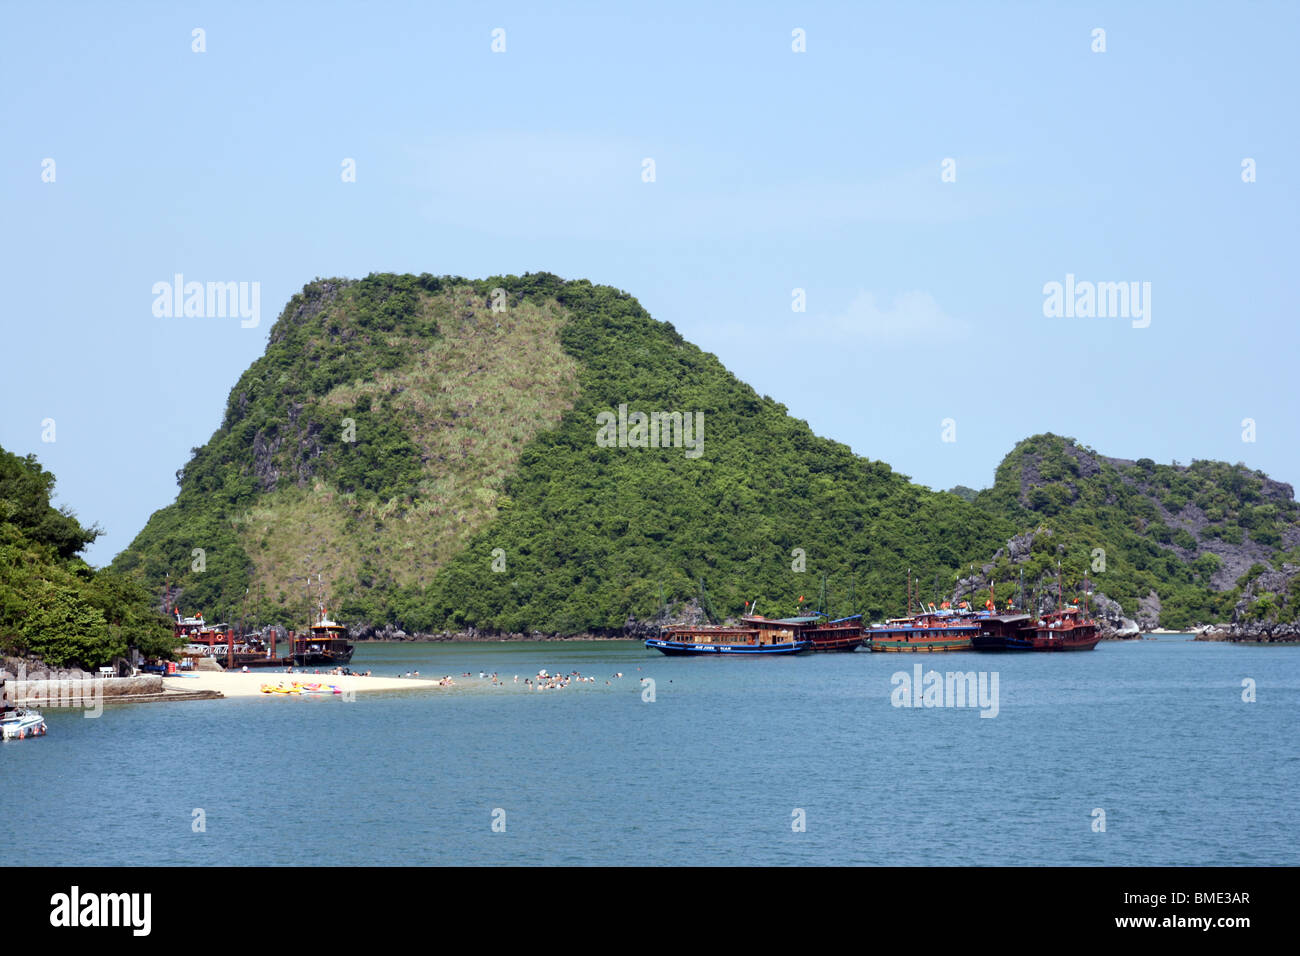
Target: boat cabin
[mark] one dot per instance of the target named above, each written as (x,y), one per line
(778,630)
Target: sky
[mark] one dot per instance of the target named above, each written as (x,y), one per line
(921,171)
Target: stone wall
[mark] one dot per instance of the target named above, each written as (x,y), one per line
(73,692)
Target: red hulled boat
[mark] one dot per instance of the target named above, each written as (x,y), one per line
(845,634)
(1065,630)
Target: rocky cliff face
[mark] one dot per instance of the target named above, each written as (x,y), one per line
(1113,623)
(1109,614)
(1170,543)
(1148,617)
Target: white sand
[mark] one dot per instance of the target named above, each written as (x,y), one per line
(238,684)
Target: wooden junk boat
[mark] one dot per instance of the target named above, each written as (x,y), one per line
(218,642)
(1065,630)
(1004,632)
(929,632)
(756,636)
(844,634)
(326,643)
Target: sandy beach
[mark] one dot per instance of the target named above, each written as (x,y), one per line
(238,684)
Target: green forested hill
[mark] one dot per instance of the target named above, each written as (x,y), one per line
(53,606)
(1174,544)
(475,430)
(591,534)
(436,460)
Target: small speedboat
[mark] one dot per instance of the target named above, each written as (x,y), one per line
(19,724)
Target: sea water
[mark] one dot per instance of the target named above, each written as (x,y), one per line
(1146,752)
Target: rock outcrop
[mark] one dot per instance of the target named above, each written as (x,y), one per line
(1111,620)
(1148,615)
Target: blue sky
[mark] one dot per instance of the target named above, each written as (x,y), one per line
(775,170)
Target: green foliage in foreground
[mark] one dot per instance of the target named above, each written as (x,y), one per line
(52,604)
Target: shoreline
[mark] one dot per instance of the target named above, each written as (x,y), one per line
(464,639)
(239,684)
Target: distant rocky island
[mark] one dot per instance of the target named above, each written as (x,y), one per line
(438,452)
(429,445)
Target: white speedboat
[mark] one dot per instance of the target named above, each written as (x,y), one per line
(20,723)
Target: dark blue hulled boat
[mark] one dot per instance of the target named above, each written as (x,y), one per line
(1004,632)
(759,636)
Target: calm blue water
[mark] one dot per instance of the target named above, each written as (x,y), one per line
(1154,732)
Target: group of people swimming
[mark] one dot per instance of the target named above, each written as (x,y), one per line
(548,681)
(543,681)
